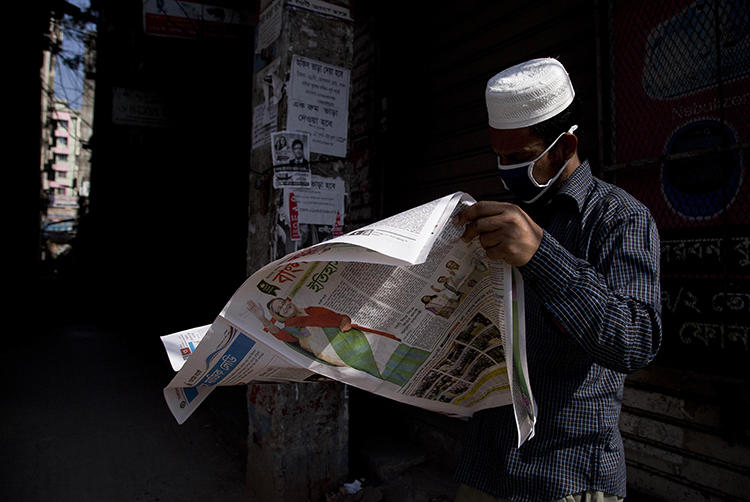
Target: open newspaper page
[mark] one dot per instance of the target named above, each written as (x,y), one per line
(402,308)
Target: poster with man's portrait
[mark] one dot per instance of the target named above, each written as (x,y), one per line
(290,152)
(290,148)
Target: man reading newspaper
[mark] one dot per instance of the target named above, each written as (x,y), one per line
(408,310)
(589,256)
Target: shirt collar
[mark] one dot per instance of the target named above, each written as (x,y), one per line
(577,186)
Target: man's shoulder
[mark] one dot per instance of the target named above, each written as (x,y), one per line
(614,201)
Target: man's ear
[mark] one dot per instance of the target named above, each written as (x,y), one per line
(569,144)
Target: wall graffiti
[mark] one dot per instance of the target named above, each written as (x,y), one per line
(708,253)
(703,299)
(702,314)
(731,302)
(725,337)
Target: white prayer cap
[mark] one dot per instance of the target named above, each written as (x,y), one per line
(528,93)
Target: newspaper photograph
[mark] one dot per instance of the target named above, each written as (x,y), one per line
(403,308)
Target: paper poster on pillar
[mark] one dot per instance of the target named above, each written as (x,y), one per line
(269,25)
(322,7)
(194,19)
(264,124)
(267,89)
(319,104)
(309,216)
(290,154)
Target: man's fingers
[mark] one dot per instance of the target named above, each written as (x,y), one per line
(492,239)
(470,232)
(479,210)
(504,230)
(496,253)
(486,224)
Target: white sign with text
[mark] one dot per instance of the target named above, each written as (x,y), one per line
(319,104)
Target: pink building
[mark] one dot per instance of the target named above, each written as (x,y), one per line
(59,179)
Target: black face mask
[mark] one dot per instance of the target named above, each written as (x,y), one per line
(519,178)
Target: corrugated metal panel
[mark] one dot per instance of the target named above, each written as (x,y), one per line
(680,73)
(686,433)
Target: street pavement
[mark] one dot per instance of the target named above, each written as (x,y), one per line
(84,419)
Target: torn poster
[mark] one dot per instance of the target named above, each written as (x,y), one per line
(269,25)
(309,216)
(268,87)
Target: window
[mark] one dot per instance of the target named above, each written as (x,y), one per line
(59,191)
(63,124)
(62,141)
(61,157)
(61,175)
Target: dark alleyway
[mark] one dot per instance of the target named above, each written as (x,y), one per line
(84,419)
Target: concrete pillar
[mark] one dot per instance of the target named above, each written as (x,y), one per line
(297,441)
(309,34)
(298,433)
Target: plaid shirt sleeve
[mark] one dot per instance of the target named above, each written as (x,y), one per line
(611,303)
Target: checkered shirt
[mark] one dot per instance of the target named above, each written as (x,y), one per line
(593,314)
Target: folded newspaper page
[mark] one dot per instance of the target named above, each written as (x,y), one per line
(403,308)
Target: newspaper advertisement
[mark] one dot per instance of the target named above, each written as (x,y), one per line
(403,308)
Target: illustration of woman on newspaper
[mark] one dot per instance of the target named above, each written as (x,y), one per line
(332,338)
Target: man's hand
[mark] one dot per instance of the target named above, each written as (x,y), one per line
(346,323)
(256,309)
(505,231)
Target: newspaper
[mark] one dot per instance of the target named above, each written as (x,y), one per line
(403,308)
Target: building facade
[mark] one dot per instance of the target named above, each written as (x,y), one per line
(60,171)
